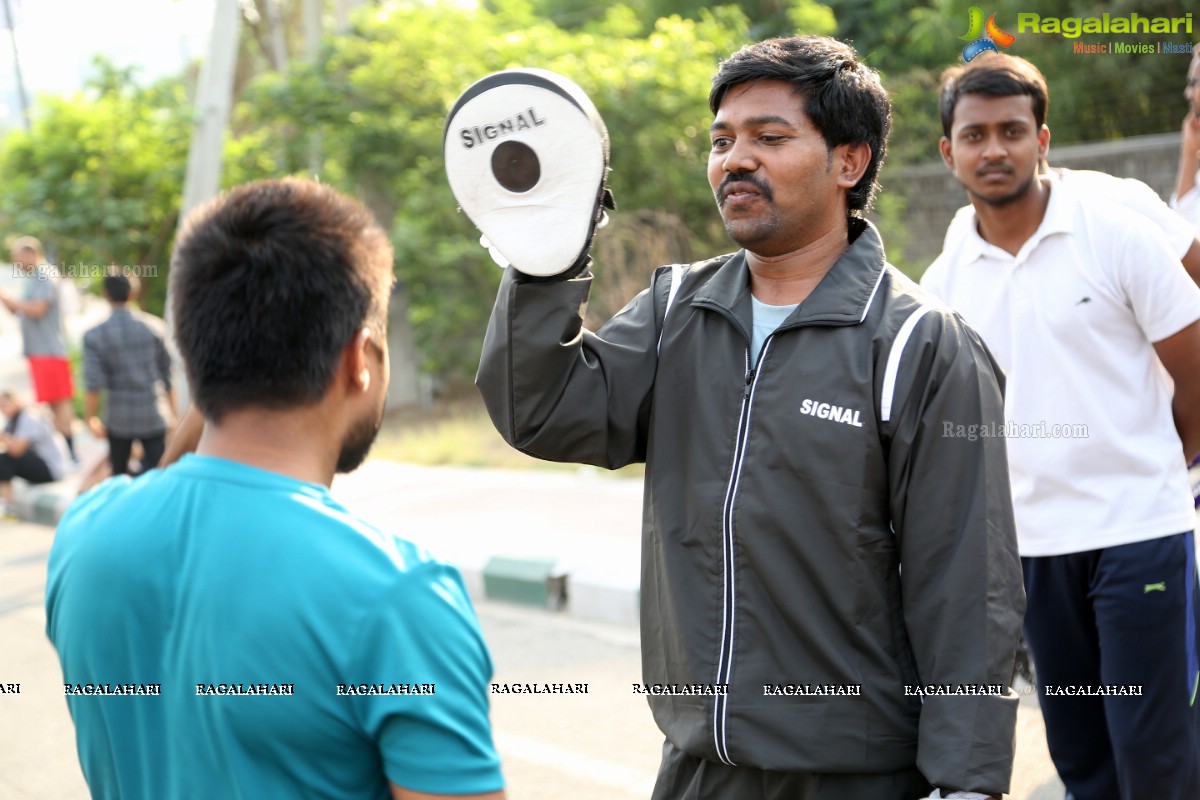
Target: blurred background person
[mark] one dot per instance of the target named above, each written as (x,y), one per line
(28,449)
(45,344)
(126,358)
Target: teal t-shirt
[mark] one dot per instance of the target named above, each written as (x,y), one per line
(354,658)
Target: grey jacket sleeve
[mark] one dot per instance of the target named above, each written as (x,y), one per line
(961,579)
(559,392)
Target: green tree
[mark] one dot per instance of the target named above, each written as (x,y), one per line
(765,17)
(99,174)
(380,95)
(1092,97)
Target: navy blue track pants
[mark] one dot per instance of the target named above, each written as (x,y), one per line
(1119,620)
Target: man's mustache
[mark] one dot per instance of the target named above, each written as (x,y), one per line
(747,178)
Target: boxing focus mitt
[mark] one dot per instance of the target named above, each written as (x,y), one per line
(526,156)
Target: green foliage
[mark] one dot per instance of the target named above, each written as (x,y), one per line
(765,17)
(379,100)
(99,175)
(1093,97)
(99,178)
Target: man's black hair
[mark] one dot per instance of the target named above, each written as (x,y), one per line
(843,97)
(269,283)
(993,75)
(117,287)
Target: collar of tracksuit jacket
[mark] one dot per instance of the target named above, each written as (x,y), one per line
(843,296)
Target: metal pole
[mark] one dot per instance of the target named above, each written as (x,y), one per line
(22,97)
(214,98)
(275,30)
(312,41)
(213,101)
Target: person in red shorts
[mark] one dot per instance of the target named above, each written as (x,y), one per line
(39,313)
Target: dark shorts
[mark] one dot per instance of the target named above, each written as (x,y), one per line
(51,378)
(684,777)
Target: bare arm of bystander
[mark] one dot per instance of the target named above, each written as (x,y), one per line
(185,438)
(1180,354)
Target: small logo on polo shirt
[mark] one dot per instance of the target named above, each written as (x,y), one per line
(1155,587)
(846,416)
(1083,300)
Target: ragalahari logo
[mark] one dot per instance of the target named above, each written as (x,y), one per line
(991,38)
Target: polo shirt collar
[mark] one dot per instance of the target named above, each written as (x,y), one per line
(1059,216)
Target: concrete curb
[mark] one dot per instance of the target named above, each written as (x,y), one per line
(43,503)
(535,582)
(581,591)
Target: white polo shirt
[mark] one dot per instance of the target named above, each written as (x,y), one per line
(1128,192)
(1094,457)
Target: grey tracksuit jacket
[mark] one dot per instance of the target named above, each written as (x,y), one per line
(830,512)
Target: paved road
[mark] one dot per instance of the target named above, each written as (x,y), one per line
(602,744)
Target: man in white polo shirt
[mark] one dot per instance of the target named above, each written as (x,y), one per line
(1083,304)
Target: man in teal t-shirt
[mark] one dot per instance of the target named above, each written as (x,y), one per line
(227,629)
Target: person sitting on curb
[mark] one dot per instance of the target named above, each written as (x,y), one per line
(30,449)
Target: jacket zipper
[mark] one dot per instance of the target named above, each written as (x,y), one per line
(725,663)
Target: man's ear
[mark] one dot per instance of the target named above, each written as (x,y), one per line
(852,161)
(947,152)
(356,360)
(1043,143)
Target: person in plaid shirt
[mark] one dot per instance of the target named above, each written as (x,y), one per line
(126,356)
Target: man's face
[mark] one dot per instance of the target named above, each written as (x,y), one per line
(770,170)
(25,257)
(995,146)
(1192,91)
(361,435)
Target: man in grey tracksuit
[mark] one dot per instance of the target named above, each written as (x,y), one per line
(831,594)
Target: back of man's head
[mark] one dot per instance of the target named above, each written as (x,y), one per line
(269,283)
(117,287)
(843,98)
(993,75)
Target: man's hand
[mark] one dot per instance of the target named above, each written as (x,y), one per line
(91,408)
(1191,133)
